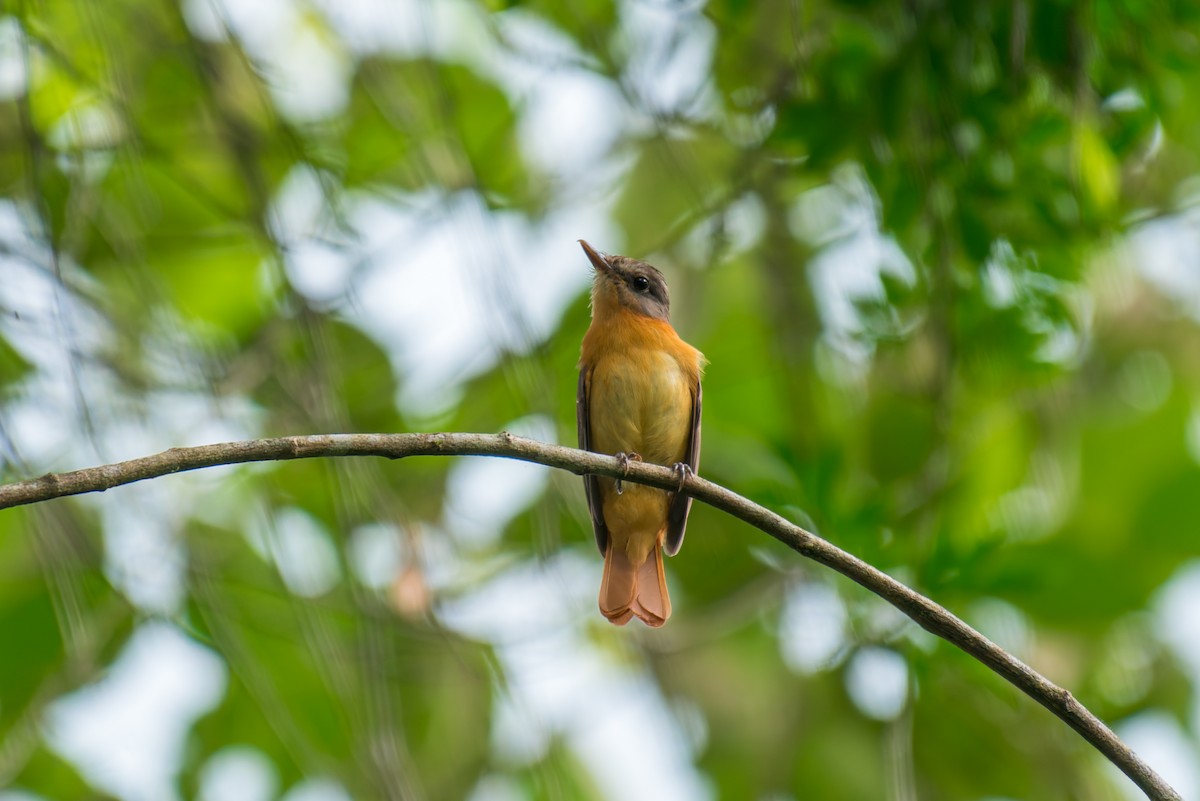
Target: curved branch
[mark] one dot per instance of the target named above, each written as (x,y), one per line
(927,614)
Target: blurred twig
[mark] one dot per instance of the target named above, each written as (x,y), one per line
(927,614)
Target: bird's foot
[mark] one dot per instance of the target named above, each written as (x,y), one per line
(624,459)
(682,470)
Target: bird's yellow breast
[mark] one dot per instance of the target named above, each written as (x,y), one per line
(641,402)
(641,388)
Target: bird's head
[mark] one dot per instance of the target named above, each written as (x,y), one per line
(622,282)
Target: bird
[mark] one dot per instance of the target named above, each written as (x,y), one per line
(639,399)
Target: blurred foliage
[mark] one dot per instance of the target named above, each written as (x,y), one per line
(912,239)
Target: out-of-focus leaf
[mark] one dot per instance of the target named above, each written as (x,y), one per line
(588,22)
(219,283)
(27,617)
(669,180)
(1099,172)
(44,660)
(12,366)
(419,123)
(54,777)
(324,684)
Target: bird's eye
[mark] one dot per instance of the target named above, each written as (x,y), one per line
(641,283)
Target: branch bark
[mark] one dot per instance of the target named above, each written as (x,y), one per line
(927,614)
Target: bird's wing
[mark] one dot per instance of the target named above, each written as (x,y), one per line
(681,504)
(591,485)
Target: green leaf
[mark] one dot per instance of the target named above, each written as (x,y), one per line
(13,367)
(1099,172)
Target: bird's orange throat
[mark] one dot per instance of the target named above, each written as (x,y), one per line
(617,329)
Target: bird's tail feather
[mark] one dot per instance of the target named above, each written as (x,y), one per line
(629,590)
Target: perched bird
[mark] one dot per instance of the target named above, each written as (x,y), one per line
(639,399)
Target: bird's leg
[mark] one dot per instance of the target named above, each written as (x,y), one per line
(624,459)
(683,470)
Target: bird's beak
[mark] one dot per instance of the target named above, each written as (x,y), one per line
(598,261)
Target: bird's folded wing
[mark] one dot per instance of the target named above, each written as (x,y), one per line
(681,504)
(591,485)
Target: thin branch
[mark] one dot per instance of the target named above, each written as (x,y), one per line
(927,614)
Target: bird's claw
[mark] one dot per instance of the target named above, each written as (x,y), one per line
(683,470)
(624,459)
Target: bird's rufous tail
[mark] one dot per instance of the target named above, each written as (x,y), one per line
(628,590)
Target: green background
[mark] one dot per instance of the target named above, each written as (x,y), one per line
(944,259)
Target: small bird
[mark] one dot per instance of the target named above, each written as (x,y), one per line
(639,399)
